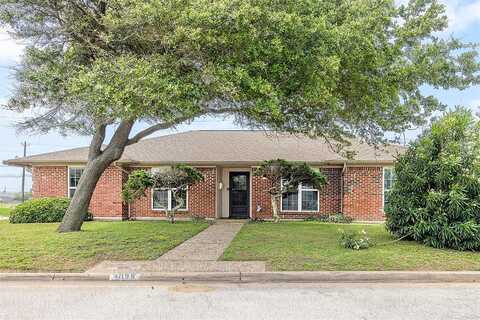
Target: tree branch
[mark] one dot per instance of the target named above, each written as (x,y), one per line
(96,145)
(165,125)
(119,140)
(121,134)
(159,126)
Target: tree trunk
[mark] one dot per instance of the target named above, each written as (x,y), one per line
(276,218)
(98,162)
(77,211)
(179,201)
(171,216)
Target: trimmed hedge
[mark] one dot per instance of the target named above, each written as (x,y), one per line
(42,210)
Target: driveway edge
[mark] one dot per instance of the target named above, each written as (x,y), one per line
(260,277)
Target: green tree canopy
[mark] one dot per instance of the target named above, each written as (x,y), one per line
(436,196)
(322,68)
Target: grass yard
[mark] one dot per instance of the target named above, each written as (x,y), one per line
(5,210)
(312,246)
(37,247)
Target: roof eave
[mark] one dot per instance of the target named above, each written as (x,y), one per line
(21,163)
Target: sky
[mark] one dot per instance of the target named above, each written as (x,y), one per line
(464,23)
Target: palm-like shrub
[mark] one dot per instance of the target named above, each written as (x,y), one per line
(436,196)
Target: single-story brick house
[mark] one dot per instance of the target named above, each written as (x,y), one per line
(227,160)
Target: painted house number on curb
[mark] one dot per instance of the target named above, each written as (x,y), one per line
(124,276)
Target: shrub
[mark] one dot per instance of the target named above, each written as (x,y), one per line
(354,240)
(339,218)
(42,210)
(436,196)
(331,218)
(198,219)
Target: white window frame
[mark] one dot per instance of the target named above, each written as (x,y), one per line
(68,179)
(383,183)
(299,200)
(169,197)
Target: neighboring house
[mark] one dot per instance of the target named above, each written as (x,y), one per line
(227,160)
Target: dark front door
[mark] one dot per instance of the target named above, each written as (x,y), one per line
(239,195)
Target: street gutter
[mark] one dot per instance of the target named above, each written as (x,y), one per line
(260,277)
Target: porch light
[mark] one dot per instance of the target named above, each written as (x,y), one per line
(220,186)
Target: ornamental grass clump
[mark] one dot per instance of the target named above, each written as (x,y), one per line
(436,196)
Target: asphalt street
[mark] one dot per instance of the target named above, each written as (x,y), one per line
(142,300)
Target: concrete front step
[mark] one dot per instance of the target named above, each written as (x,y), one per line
(178,266)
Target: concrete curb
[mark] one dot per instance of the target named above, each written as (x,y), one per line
(363,276)
(260,277)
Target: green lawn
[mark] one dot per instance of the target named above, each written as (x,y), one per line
(37,247)
(5,210)
(314,246)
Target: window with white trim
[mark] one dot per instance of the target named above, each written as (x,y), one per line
(304,199)
(74,174)
(388,181)
(163,199)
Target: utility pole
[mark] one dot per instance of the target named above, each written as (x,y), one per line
(23,171)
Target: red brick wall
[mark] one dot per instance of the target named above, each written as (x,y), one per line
(329,197)
(49,181)
(260,198)
(363,193)
(106,201)
(201,199)
(107,197)
(202,196)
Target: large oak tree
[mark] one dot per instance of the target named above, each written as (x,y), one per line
(318,67)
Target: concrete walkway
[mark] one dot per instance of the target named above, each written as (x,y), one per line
(207,245)
(198,254)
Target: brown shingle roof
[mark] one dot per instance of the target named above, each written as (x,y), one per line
(225,147)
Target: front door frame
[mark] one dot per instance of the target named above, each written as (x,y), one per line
(248,204)
(225,192)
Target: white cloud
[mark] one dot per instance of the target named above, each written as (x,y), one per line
(474,104)
(10,49)
(462,14)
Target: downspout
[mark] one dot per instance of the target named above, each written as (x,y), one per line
(342,185)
